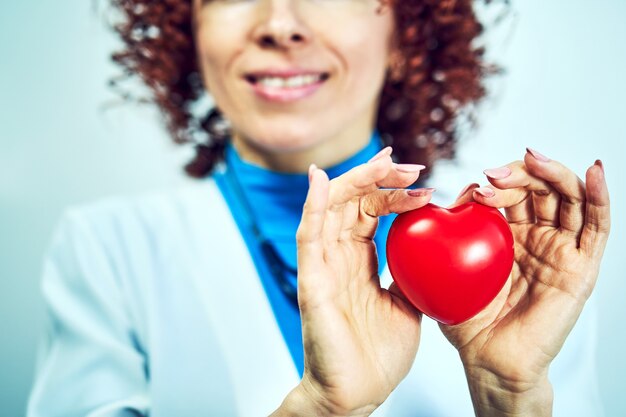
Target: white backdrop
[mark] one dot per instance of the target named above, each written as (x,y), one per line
(563,95)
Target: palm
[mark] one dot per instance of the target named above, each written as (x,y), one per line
(356,330)
(523,329)
(519,321)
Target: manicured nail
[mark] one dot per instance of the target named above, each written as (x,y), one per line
(384,152)
(600,164)
(312,169)
(497,173)
(420,192)
(485,191)
(409,168)
(467,188)
(537,155)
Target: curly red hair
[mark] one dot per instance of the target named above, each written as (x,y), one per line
(442,71)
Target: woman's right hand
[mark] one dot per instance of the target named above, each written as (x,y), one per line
(360,340)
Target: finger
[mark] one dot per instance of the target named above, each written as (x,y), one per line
(517,202)
(360,180)
(309,233)
(597,214)
(465,196)
(566,183)
(402,176)
(545,200)
(398,295)
(396,291)
(345,190)
(399,177)
(384,202)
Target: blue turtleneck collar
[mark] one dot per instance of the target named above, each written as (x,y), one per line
(278,197)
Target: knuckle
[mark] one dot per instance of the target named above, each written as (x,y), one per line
(517,165)
(574,199)
(542,192)
(303,238)
(389,198)
(369,207)
(300,234)
(366,207)
(334,207)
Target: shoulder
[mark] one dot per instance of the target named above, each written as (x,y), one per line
(154,211)
(150,226)
(131,239)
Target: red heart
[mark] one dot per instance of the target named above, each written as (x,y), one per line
(450,263)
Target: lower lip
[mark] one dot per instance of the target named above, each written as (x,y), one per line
(285,95)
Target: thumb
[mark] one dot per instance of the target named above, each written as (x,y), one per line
(398,295)
(465,196)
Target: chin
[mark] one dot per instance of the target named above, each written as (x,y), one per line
(286,138)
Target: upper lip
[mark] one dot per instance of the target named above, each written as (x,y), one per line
(283,73)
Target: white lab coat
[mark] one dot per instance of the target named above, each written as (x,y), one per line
(155,306)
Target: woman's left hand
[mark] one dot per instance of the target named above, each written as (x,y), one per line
(560,226)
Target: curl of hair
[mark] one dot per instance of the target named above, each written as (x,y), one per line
(441,72)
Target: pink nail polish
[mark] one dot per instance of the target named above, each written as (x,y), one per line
(498,173)
(420,192)
(384,152)
(466,189)
(538,156)
(485,192)
(312,169)
(409,168)
(600,164)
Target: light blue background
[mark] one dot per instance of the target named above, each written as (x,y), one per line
(564,94)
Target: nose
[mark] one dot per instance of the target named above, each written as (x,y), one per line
(279,26)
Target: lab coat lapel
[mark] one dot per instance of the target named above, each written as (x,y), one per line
(259,363)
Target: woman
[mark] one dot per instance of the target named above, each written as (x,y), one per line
(159,306)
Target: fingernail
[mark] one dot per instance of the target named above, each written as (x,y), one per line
(498,173)
(409,168)
(466,189)
(312,169)
(420,192)
(537,155)
(600,164)
(384,152)
(485,191)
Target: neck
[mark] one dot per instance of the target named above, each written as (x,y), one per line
(325,153)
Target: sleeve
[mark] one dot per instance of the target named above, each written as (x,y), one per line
(90,363)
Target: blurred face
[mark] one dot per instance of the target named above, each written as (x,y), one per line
(296,77)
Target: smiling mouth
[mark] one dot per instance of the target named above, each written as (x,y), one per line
(285,87)
(290,82)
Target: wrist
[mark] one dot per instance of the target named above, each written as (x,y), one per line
(299,403)
(493,395)
(304,401)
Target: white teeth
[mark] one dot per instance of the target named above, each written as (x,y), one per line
(290,82)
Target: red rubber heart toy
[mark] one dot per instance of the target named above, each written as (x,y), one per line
(450,263)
